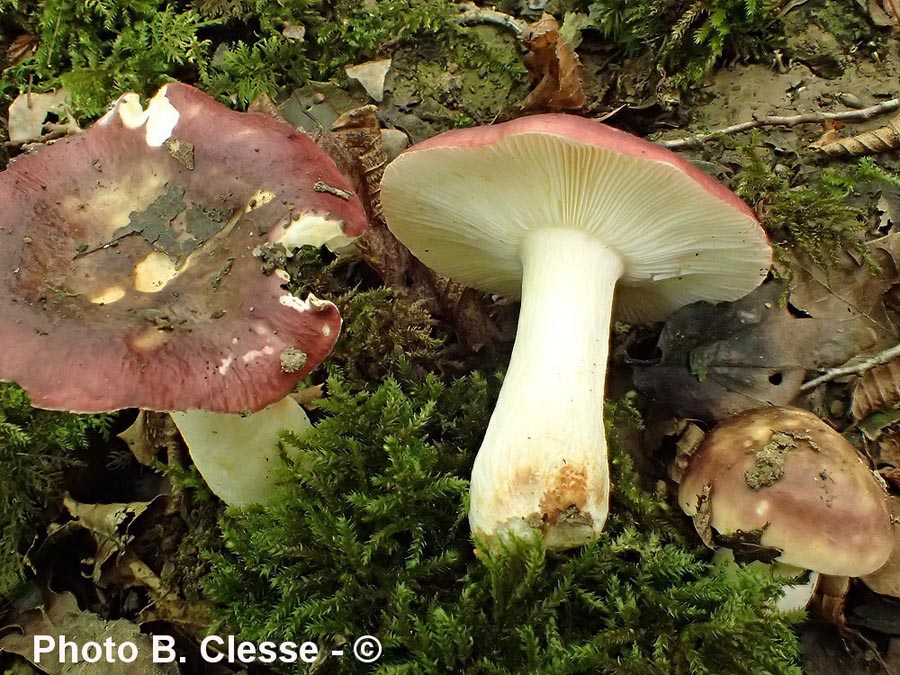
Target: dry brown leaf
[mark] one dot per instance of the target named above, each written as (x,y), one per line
(878,389)
(883,139)
(850,297)
(555,67)
(885,13)
(147,435)
(22,47)
(60,616)
(372,75)
(360,155)
(718,360)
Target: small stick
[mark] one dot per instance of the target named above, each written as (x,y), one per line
(861,367)
(470,14)
(790,121)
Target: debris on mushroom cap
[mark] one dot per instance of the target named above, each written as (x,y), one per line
(463,201)
(127,259)
(784,481)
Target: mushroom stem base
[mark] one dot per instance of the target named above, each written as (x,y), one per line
(542,464)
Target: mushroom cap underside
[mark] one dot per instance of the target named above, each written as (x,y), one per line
(464,201)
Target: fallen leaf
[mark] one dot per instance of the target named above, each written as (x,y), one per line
(718,360)
(877,390)
(21,48)
(60,616)
(849,296)
(360,155)
(109,525)
(294,31)
(555,67)
(882,139)
(28,112)
(884,13)
(372,76)
(147,435)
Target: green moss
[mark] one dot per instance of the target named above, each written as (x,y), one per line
(815,218)
(688,38)
(98,49)
(35,446)
(370,536)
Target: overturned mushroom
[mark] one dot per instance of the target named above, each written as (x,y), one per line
(780,484)
(560,211)
(130,270)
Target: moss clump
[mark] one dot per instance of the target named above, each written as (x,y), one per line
(686,39)
(369,536)
(98,49)
(815,218)
(35,446)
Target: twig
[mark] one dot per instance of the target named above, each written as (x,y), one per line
(470,14)
(861,367)
(774,121)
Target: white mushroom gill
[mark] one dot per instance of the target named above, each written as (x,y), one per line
(553,476)
(237,455)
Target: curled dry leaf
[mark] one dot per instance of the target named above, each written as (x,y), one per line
(61,616)
(555,67)
(877,390)
(372,76)
(885,13)
(872,142)
(356,145)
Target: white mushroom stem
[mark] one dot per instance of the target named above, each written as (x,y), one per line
(543,462)
(237,455)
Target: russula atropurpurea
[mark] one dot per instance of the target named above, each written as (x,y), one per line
(782,482)
(561,211)
(137,259)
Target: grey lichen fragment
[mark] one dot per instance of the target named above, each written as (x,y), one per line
(272,257)
(292,360)
(154,222)
(182,152)
(769,460)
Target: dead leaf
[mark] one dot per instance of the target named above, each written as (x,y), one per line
(689,438)
(147,436)
(60,616)
(718,360)
(372,75)
(28,112)
(872,142)
(109,525)
(555,67)
(22,47)
(884,13)
(360,155)
(850,297)
(317,105)
(294,31)
(877,390)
